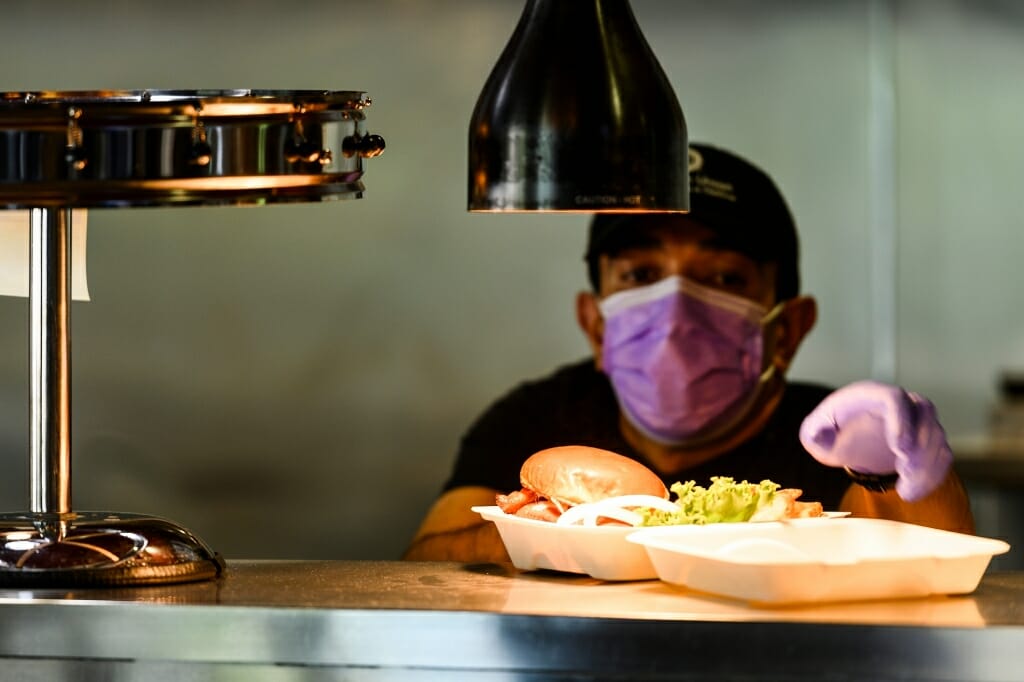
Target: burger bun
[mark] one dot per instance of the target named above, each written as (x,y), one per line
(578,474)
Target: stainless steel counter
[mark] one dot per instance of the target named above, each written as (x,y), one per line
(301,621)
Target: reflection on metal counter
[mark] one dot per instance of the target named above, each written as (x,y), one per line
(289,621)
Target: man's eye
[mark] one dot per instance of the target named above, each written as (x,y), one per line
(640,276)
(732,281)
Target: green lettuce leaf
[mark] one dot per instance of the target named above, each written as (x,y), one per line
(724,501)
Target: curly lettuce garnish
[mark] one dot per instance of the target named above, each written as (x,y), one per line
(724,501)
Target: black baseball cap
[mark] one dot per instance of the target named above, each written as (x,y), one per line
(729,195)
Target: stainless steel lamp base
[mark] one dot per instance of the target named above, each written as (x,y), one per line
(94,549)
(61,150)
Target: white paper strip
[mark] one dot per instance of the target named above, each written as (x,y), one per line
(15,229)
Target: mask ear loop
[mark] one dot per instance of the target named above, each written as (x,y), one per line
(769,345)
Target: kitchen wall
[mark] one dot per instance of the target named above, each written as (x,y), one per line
(292,381)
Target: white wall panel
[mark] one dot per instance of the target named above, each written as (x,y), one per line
(307,370)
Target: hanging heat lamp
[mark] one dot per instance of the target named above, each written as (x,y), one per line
(578,115)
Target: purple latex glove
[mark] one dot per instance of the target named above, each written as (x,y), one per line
(876,428)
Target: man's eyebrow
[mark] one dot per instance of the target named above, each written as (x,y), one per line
(637,242)
(719,243)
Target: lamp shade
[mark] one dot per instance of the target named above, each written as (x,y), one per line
(578,115)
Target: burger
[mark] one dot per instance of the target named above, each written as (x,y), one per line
(557,479)
(578,484)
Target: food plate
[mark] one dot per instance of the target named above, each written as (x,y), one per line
(601,552)
(803,561)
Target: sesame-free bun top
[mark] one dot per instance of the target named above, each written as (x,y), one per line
(577,474)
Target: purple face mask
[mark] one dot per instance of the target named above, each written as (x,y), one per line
(682,356)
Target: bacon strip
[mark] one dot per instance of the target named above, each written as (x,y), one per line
(797,509)
(542,510)
(515,500)
(785,505)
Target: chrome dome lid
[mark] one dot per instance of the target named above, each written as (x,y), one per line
(110,148)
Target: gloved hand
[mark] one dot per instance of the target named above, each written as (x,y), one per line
(875,428)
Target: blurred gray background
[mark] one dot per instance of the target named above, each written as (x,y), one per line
(292,381)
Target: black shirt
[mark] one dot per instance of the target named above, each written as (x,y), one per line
(576,406)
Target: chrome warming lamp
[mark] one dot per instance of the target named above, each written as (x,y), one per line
(120,149)
(578,115)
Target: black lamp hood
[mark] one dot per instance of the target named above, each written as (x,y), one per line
(578,115)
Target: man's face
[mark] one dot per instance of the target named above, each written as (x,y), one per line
(692,251)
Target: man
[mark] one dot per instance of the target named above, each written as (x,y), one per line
(693,321)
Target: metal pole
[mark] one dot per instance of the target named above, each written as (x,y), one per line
(50,360)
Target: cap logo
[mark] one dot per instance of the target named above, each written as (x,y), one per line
(696,161)
(702,184)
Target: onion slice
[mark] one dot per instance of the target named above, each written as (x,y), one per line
(618,508)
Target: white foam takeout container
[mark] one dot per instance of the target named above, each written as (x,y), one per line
(601,552)
(799,562)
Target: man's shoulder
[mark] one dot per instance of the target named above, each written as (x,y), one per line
(570,403)
(579,377)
